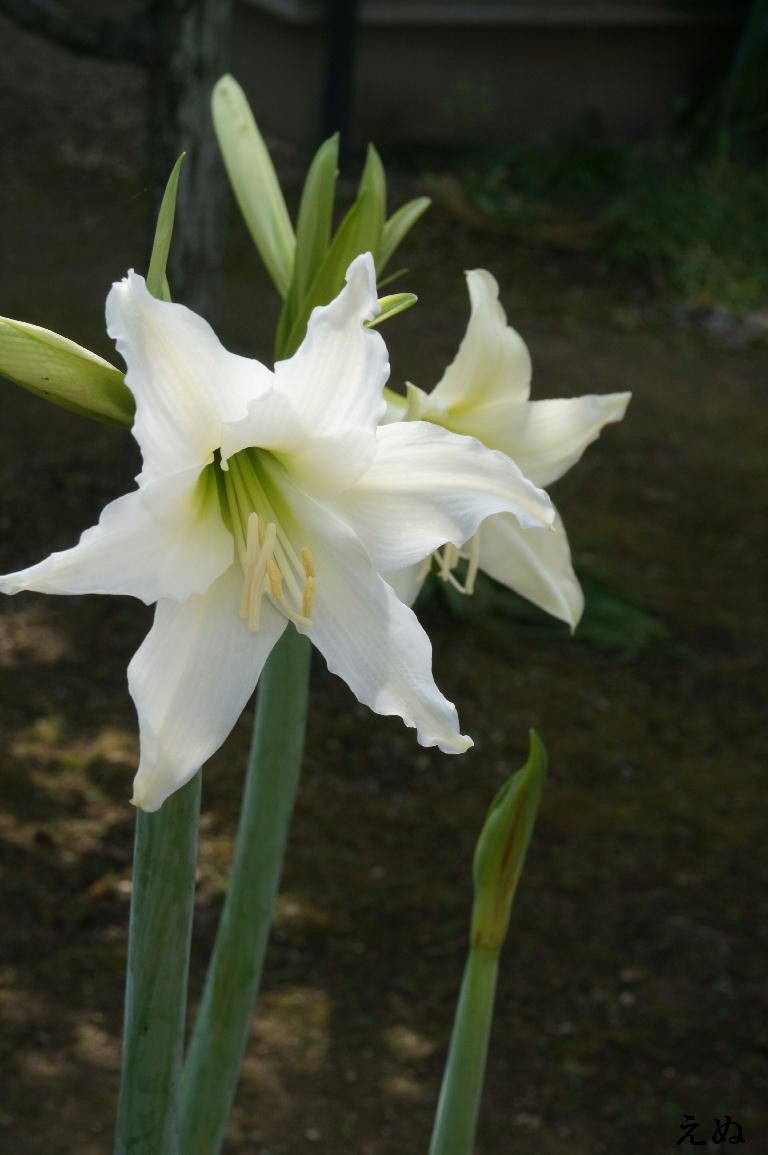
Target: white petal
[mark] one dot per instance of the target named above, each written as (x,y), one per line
(407,582)
(535,565)
(184,380)
(165,540)
(365,633)
(428,486)
(557,433)
(493,363)
(190,679)
(271,422)
(335,381)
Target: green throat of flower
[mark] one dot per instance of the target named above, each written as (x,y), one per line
(254,513)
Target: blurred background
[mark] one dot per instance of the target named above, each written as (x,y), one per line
(607,162)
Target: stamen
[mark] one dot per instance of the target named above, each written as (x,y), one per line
(443,560)
(308,593)
(270,565)
(275,580)
(249,561)
(449,557)
(257,559)
(473,560)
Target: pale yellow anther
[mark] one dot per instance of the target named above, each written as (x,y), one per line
(308,597)
(275,579)
(310,574)
(308,562)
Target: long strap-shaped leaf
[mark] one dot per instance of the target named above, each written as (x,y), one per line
(254,181)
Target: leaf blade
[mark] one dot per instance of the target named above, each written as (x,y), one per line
(254,181)
(157,281)
(398,226)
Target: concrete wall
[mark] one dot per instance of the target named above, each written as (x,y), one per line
(480,73)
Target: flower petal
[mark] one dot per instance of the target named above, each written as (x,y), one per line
(364,632)
(184,380)
(407,582)
(190,679)
(164,540)
(428,486)
(335,380)
(493,363)
(271,422)
(535,565)
(557,433)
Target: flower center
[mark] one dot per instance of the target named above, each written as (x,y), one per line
(270,565)
(447,559)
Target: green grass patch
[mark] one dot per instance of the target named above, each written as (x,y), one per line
(693,226)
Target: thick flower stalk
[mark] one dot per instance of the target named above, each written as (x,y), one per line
(268,499)
(485,393)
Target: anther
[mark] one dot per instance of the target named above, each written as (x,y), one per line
(308,592)
(275,579)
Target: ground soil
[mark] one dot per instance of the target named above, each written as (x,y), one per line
(633,984)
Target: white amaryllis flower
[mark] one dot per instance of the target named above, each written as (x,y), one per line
(485,393)
(267,498)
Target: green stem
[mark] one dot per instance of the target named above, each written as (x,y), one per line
(215,1053)
(165,854)
(462,1088)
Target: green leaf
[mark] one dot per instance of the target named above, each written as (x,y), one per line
(313,227)
(254,181)
(157,282)
(63,372)
(373,183)
(398,225)
(392,305)
(502,846)
(381,282)
(356,234)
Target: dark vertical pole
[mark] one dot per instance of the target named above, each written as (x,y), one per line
(341,24)
(189,50)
